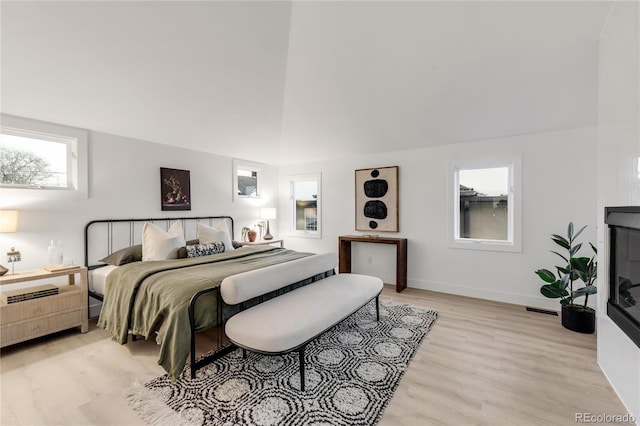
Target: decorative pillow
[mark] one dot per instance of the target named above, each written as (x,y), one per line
(160,245)
(205,249)
(182,251)
(236,244)
(220,232)
(123,256)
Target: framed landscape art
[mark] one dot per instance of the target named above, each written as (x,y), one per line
(175,189)
(377,199)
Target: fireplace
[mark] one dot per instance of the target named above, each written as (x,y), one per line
(623,306)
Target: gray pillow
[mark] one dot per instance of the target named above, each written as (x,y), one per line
(124,256)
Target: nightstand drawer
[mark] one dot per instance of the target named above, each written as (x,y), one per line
(70,297)
(14,333)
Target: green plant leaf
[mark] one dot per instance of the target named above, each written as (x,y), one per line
(546,275)
(552,292)
(582,275)
(570,231)
(595,250)
(579,232)
(580,263)
(565,302)
(590,289)
(562,256)
(560,285)
(561,241)
(575,249)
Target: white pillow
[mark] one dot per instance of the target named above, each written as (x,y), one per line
(209,235)
(160,245)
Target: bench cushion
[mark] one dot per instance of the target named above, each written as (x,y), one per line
(247,285)
(288,321)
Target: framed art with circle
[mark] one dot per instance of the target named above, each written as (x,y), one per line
(377,199)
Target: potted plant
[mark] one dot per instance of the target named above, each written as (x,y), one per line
(576,317)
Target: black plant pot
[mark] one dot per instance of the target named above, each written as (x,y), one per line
(578,318)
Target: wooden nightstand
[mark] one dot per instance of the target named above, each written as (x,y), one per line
(264,243)
(33,318)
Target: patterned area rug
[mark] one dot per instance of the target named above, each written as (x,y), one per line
(351,374)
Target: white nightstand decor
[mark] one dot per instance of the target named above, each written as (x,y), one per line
(13,256)
(9,223)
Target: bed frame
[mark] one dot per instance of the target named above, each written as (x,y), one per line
(105,236)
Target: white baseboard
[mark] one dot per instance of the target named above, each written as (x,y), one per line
(540,302)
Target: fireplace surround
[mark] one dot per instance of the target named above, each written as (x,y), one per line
(623,306)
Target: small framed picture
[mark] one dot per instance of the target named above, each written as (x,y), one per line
(175,189)
(377,199)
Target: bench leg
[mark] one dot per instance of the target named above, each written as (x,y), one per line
(378,308)
(301,356)
(244,353)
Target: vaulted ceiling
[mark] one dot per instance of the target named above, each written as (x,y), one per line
(282,82)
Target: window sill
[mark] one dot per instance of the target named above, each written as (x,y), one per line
(487,245)
(35,193)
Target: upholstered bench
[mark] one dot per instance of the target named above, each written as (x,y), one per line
(287,323)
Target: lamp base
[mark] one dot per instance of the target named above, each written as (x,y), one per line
(267,235)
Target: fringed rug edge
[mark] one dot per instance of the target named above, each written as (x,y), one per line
(149,406)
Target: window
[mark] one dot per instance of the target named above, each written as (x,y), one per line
(39,159)
(246,183)
(34,161)
(486,205)
(306,205)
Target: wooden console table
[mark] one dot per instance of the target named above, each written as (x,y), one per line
(344,252)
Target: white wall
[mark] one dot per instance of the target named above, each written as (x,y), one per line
(618,181)
(124,182)
(558,186)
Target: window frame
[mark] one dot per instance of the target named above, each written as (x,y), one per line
(249,166)
(306,177)
(77,141)
(514,203)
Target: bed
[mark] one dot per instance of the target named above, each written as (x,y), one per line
(171,299)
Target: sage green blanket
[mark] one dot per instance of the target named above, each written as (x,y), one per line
(160,291)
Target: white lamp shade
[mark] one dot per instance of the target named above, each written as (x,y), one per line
(8,221)
(267,213)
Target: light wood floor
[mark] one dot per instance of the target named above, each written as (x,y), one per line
(483,363)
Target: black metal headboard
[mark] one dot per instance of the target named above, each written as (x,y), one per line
(104,236)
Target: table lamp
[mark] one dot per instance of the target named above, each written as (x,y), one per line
(267,214)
